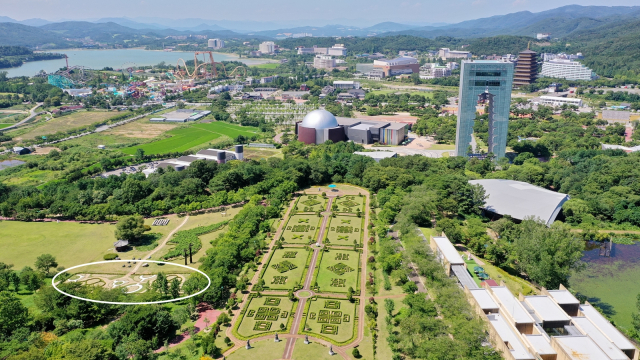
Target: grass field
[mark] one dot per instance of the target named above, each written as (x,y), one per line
(340,315)
(275,279)
(441,147)
(384,350)
(267,66)
(2,126)
(336,273)
(427,94)
(263,350)
(301,235)
(314,350)
(68,122)
(350,229)
(311,203)
(185,138)
(258,153)
(350,203)
(250,326)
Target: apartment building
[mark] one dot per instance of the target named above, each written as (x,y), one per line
(566,69)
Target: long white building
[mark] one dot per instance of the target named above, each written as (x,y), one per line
(446,53)
(566,69)
(215,43)
(267,47)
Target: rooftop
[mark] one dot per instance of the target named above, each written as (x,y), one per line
(511,305)
(540,343)
(448,250)
(521,200)
(587,328)
(518,350)
(377,154)
(483,299)
(563,297)
(580,348)
(605,326)
(546,308)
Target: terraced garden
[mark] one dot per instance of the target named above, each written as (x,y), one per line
(264,315)
(330,319)
(344,230)
(301,229)
(339,270)
(285,268)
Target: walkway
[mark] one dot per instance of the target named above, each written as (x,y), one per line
(32,113)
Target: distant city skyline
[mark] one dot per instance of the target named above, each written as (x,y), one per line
(287,12)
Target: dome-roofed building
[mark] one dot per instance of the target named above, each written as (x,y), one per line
(319,126)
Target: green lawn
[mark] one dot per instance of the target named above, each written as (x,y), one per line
(250,325)
(340,316)
(71,243)
(263,350)
(343,230)
(471,264)
(300,228)
(2,126)
(185,138)
(384,350)
(275,279)
(426,94)
(267,66)
(442,147)
(314,350)
(338,279)
(311,203)
(515,284)
(350,203)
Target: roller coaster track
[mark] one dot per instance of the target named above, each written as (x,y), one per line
(200,70)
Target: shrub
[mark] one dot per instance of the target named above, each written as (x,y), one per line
(356,353)
(110,256)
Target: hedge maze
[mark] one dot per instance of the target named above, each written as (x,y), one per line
(331,319)
(350,204)
(339,269)
(301,229)
(344,229)
(264,314)
(284,266)
(311,203)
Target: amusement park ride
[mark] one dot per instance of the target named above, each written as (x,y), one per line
(205,69)
(70,77)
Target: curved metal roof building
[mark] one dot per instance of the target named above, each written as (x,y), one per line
(320,119)
(521,200)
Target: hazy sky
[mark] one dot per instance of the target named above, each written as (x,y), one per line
(318,12)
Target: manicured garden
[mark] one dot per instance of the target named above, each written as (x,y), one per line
(262,350)
(339,270)
(343,230)
(350,204)
(311,203)
(263,315)
(301,229)
(330,319)
(285,269)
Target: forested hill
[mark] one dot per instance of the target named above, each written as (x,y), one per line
(22,35)
(11,56)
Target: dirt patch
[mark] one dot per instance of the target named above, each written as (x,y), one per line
(67,122)
(140,130)
(44,150)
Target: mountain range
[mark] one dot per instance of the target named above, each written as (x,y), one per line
(560,23)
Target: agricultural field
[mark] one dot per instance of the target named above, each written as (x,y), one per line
(286,268)
(344,230)
(339,270)
(349,204)
(301,229)
(311,203)
(265,314)
(332,319)
(67,122)
(187,137)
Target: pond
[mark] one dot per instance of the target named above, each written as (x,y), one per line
(611,283)
(10,163)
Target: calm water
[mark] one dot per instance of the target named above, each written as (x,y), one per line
(10,163)
(98,59)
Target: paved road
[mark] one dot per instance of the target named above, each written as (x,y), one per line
(32,113)
(159,247)
(407,151)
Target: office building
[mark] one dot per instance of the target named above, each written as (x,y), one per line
(335,50)
(216,44)
(320,125)
(346,85)
(267,47)
(558,101)
(433,70)
(526,68)
(486,82)
(446,53)
(566,69)
(398,66)
(324,62)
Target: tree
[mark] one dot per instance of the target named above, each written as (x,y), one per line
(389,305)
(161,284)
(635,318)
(13,315)
(223,319)
(350,294)
(356,353)
(175,288)
(410,287)
(45,262)
(130,228)
(139,153)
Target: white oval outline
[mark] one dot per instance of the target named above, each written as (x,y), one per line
(53,283)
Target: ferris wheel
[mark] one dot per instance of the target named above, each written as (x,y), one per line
(128,68)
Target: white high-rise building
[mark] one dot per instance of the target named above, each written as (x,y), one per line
(324,62)
(566,69)
(216,43)
(267,47)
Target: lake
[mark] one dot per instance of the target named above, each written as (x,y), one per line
(117,58)
(611,283)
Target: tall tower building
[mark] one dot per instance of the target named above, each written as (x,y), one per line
(488,83)
(526,68)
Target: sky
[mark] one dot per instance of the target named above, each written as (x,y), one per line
(315,13)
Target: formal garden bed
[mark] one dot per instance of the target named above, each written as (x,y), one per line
(338,271)
(265,314)
(349,204)
(311,204)
(344,230)
(330,319)
(301,229)
(285,268)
